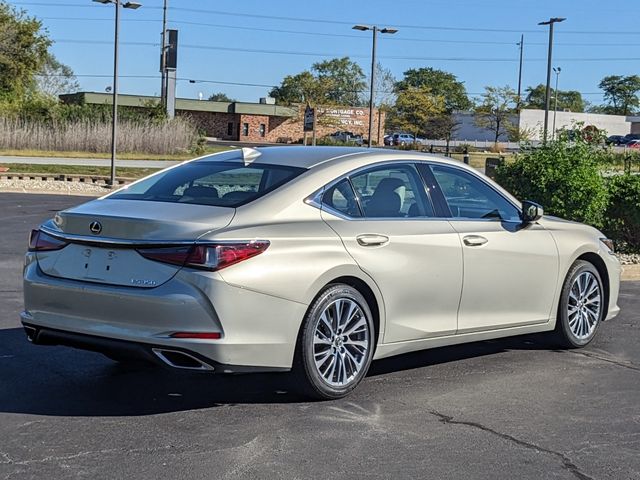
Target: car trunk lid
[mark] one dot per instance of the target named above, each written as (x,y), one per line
(103,237)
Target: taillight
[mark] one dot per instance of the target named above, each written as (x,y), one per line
(210,256)
(41,242)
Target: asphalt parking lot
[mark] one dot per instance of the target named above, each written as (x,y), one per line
(514,408)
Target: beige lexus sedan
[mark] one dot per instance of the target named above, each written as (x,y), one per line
(316,260)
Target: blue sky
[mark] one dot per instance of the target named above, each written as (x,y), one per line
(475,40)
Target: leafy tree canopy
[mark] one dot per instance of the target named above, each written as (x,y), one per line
(440,83)
(23,51)
(338,81)
(415,108)
(221,97)
(567,99)
(621,94)
(495,109)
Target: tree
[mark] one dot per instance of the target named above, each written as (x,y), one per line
(497,105)
(442,127)
(221,97)
(415,107)
(23,51)
(440,83)
(621,93)
(385,95)
(567,99)
(344,80)
(332,82)
(56,78)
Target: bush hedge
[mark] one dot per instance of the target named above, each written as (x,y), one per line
(563,176)
(623,212)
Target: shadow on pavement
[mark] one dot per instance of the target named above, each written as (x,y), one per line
(61,381)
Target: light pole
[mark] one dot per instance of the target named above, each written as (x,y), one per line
(114,120)
(557,71)
(375,29)
(547,99)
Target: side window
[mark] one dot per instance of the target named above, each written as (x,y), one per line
(392,191)
(341,198)
(470,197)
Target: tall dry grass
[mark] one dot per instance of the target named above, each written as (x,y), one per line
(166,137)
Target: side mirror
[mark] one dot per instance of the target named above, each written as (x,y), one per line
(531,211)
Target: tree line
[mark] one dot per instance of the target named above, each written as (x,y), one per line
(422,102)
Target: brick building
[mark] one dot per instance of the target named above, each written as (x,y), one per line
(251,122)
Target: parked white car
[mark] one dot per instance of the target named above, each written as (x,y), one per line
(317,259)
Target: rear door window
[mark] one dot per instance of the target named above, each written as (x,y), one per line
(392,191)
(220,184)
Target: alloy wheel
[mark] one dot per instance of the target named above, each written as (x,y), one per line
(584,305)
(341,342)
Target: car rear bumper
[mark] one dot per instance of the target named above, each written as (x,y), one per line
(258,331)
(173,357)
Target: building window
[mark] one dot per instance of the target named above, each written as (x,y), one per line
(245,129)
(263,129)
(230,128)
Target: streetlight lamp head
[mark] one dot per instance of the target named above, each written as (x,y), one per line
(362,28)
(103,1)
(389,30)
(553,20)
(132,5)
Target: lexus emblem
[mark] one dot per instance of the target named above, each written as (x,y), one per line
(95,227)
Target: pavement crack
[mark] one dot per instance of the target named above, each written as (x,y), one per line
(567,464)
(619,363)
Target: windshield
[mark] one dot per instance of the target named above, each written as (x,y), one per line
(220,184)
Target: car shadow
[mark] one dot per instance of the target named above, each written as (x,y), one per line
(59,381)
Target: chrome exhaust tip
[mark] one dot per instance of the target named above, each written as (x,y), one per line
(179,359)
(31,332)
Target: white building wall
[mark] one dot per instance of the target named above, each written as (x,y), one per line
(533,120)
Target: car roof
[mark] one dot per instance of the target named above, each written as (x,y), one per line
(294,156)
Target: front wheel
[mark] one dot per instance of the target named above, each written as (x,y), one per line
(336,343)
(581,308)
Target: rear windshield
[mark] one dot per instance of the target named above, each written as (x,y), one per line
(221,184)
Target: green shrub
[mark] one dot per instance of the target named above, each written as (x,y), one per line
(623,212)
(563,176)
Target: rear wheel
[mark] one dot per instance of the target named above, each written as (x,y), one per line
(581,306)
(336,343)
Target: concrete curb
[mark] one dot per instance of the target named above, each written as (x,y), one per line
(630,273)
(56,177)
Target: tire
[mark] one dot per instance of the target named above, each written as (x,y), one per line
(329,364)
(581,307)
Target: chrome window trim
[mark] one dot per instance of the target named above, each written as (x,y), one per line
(315,199)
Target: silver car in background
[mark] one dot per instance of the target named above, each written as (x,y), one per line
(316,260)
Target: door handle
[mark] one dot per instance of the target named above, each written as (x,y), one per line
(474,240)
(371,240)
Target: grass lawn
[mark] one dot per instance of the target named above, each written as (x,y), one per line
(120,156)
(477,160)
(78,170)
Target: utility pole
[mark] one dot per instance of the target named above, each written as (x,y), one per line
(547,99)
(521,44)
(163,56)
